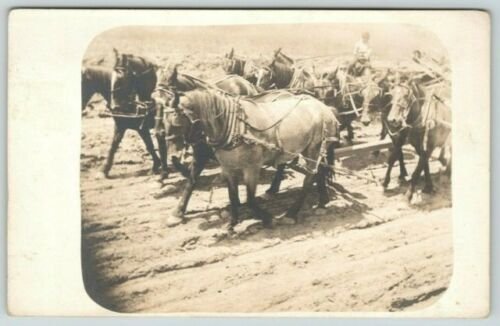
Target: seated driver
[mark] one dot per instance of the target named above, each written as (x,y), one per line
(362,54)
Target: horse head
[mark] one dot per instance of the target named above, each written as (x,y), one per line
(265,77)
(121,60)
(135,74)
(323,87)
(122,88)
(375,90)
(402,100)
(168,77)
(170,119)
(282,58)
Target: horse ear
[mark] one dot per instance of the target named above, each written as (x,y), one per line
(277,52)
(174,73)
(334,73)
(231,53)
(124,60)
(117,55)
(313,68)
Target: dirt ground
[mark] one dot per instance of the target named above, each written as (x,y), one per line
(368,251)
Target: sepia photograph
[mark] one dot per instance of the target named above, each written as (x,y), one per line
(249,163)
(266,168)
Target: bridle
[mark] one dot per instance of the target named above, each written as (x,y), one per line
(132,79)
(406,110)
(406,107)
(271,76)
(163,113)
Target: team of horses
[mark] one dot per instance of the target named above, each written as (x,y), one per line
(279,114)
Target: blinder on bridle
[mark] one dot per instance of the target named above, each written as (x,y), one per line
(269,71)
(409,99)
(173,107)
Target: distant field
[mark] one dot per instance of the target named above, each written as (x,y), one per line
(199,50)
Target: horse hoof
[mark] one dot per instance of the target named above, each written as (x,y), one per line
(267,224)
(101,175)
(162,176)
(409,195)
(286,220)
(267,195)
(224,214)
(231,225)
(320,211)
(428,190)
(156,169)
(164,191)
(172,221)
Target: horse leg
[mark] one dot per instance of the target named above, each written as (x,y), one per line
(117,138)
(232,187)
(402,168)
(195,169)
(428,188)
(350,133)
(330,160)
(278,177)
(390,163)
(162,148)
(251,177)
(383,132)
(445,159)
(146,138)
(306,189)
(416,175)
(321,184)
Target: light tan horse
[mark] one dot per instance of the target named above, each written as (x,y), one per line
(246,135)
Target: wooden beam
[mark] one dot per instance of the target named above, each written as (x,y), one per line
(362,148)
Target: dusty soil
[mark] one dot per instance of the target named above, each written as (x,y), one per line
(368,251)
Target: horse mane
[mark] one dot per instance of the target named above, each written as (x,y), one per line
(283,56)
(217,110)
(283,73)
(139,60)
(97,72)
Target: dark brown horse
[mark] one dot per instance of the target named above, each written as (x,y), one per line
(282,73)
(127,89)
(246,135)
(422,118)
(95,80)
(234,65)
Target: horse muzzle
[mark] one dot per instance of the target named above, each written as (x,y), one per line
(395,123)
(365,120)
